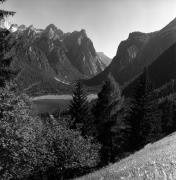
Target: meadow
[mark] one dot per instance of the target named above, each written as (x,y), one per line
(155,161)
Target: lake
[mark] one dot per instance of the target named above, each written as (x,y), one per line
(51,103)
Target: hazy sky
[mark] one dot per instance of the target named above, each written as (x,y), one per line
(107,22)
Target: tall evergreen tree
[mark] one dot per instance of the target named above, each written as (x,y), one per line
(122,129)
(168,108)
(4,13)
(152,127)
(79,110)
(5,72)
(104,112)
(138,109)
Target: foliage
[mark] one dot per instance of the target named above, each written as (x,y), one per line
(30,146)
(5,72)
(18,137)
(4,13)
(122,129)
(136,120)
(79,110)
(105,117)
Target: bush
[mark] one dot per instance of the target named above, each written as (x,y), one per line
(30,146)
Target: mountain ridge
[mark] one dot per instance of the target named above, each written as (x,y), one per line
(65,56)
(136,52)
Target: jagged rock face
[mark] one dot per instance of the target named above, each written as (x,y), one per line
(161,71)
(53,33)
(82,55)
(135,53)
(104,59)
(64,57)
(129,49)
(44,51)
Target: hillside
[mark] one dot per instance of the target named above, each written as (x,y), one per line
(105,59)
(161,71)
(137,52)
(155,161)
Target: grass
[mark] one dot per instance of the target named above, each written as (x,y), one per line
(155,161)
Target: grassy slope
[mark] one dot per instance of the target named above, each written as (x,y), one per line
(155,161)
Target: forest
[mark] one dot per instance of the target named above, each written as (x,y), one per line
(86,136)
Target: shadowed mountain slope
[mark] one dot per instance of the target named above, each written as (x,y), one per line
(137,52)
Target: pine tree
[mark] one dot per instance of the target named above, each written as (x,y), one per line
(138,109)
(79,110)
(122,129)
(168,115)
(155,132)
(4,13)
(152,126)
(104,112)
(5,72)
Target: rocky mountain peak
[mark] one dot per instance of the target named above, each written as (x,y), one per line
(53,32)
(52,26)
(30,31)
(22,27)
(83,32)
(139,36)
(63,56)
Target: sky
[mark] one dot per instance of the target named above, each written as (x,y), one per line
(107,22)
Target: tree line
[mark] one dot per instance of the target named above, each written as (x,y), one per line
(124,125)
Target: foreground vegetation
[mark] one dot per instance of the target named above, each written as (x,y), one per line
(70,142)
(85,137)
(155,161)
(33,146)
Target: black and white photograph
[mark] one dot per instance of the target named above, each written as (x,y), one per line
(87,89)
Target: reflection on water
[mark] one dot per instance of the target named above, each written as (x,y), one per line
(51,103)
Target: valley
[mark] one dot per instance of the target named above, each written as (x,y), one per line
(44,55)
(68,111)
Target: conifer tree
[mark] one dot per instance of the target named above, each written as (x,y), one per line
(168,108)
(5,72)
(152,127)
(104,112)
(79,110)
(138,109)
(4,13)
(122,129)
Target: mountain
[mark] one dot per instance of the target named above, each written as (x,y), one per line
(82,54)
(161,71)
(50,53)
(105,59)
(135,53)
